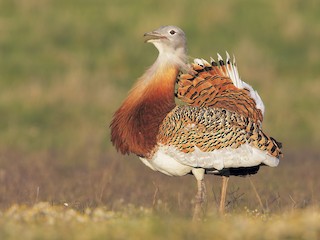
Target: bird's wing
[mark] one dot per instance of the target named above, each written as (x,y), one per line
(216,138)
(218,85)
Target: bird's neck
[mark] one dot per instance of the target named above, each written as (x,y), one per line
(135,125)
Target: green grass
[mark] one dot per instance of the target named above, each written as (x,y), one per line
(85,55)
(66,66)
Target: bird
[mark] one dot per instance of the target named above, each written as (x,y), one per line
(196,118)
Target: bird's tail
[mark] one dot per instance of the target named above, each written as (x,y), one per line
(257,138)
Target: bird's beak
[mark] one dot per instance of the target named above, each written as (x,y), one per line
(154,35)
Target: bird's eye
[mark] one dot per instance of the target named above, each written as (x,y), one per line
(172,32)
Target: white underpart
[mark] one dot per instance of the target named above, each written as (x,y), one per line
(164,163)
(173,162)
(233,74)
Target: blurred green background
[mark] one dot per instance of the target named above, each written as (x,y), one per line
(66,66)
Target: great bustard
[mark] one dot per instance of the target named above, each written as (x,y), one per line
(217,130)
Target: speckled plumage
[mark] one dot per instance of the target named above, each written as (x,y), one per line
(209,129)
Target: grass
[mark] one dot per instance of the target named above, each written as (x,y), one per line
(88,58)
(44,221)
(66,66)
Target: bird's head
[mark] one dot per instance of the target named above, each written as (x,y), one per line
(168,39)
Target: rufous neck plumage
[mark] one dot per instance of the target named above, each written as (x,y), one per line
(135,125)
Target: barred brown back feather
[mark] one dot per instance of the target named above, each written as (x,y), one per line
(211,86)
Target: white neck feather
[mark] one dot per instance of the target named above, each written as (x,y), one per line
(167,58)
(171,55)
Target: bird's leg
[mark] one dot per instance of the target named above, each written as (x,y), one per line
(201,194)
(225,180)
